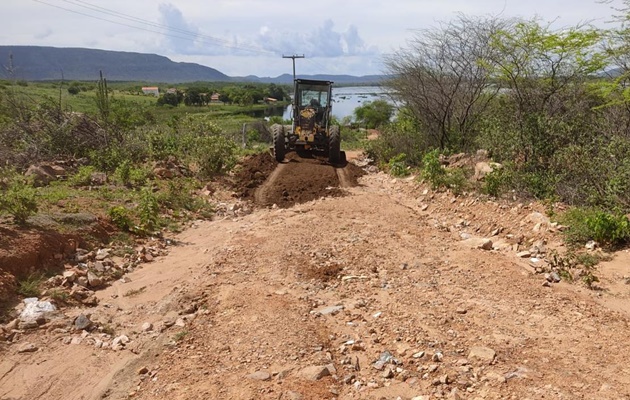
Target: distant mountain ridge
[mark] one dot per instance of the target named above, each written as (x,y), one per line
(37,63)
(41,63)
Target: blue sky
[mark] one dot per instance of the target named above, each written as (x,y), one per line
(249,37)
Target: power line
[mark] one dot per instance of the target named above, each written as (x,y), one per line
(162,29)
(127,17)
(188,34)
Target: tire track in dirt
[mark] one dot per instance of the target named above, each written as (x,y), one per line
(262,193)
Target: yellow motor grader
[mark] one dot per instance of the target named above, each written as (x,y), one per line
(312,129)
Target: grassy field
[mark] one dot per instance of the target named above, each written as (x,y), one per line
(85,101)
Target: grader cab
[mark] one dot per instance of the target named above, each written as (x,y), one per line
(312,130)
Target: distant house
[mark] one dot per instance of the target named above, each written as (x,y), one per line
(171,90)
(215,98)
(152,90)
(270,100)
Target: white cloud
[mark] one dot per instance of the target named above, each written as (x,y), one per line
(242,37)
(180,35)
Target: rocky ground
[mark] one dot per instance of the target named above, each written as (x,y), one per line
(357,287)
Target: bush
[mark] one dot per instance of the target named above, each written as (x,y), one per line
(496,182)
(19,199)
(83,177)
(73,90)
(439,177)
(131,176)
(148,211)
(402,136)
(120,217)
(214,154)
(397,166)
(586,224)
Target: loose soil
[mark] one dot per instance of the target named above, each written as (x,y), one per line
(298,179)
(399,266)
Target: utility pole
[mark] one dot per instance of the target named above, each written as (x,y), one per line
(293,57)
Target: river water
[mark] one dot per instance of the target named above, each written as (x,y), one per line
(345,100)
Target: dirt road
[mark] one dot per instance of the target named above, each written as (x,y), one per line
(302,302)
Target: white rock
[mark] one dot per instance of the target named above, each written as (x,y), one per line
(120,340)
(147,327)
(331,310)
(36,310)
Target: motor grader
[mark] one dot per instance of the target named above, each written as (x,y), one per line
(312,129)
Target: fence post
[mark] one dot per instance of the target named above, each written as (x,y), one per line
(244,135)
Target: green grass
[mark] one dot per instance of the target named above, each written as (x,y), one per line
(180,335)
(84,102)
(30,286)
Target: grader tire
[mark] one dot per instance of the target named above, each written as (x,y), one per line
(279,142)
(334,145)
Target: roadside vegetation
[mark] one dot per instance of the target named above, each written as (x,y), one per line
(550,106)
(131,158)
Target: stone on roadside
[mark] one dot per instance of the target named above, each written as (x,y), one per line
(82,281)
(290,395)
(259,376)
(524,254)
(94,280)
(484,355)
(483,168)
(82,323)
(42,175)
(147,327)
(70,275)
(479,243)
(121,340)
(555,277)
(35,313)
(28,348)
(98,178)
(317,372)
(180,323)
(331,310)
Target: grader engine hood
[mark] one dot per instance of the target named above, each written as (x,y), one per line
(307,123)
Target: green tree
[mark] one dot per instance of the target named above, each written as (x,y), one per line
(374,114)
(172,99)
(276,92)
(193,97)
(544,73)
(444,78)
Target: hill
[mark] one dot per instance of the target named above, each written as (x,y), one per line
(38,63)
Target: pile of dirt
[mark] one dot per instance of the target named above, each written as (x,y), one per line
(251,172)
(300,178)
(306,177)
